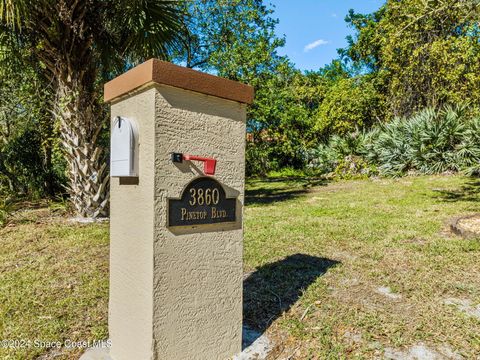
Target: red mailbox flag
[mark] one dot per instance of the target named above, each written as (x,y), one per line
(209,163)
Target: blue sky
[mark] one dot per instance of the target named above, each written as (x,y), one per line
(315,29)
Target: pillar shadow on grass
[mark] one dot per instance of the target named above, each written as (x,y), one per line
(273,288)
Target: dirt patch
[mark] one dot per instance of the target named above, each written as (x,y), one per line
(465,306)
(466,226)
(386,291)
(421,351)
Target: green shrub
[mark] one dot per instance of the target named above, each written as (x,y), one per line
(5,209)
(22,164)
(258,160)
(323,159)
(3,216)
(430,142)
(469,150)
(354,167)
(342,155)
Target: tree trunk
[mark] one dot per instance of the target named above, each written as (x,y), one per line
(66,30)
(81,120)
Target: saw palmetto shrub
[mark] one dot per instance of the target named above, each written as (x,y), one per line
(469,151)
(429,142)
(343,156)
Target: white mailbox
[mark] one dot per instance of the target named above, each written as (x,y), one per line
(124,148)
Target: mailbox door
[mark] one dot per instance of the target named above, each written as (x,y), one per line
(123,148)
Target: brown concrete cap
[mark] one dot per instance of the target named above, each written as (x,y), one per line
(162,72)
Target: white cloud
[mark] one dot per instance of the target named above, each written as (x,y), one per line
(315,44)
(334,15)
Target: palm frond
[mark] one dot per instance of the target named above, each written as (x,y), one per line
(430,142)
(13,12)
(149,28)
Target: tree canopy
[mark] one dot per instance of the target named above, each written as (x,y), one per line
(423,52)
(407,56)
(78,44)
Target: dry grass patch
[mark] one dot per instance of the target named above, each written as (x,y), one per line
(396,266)
(53,284)
(353,269)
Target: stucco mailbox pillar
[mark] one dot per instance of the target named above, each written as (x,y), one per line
(176,213)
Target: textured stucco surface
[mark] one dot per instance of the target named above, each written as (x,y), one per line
(177,293)
(198,272)
(131,241)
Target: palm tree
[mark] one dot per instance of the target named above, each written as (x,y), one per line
(81,43)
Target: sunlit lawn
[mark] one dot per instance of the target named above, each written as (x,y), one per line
(350,269)
(370,235)
(53,284)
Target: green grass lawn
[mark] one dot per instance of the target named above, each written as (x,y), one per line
(350,269)
(53,283)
